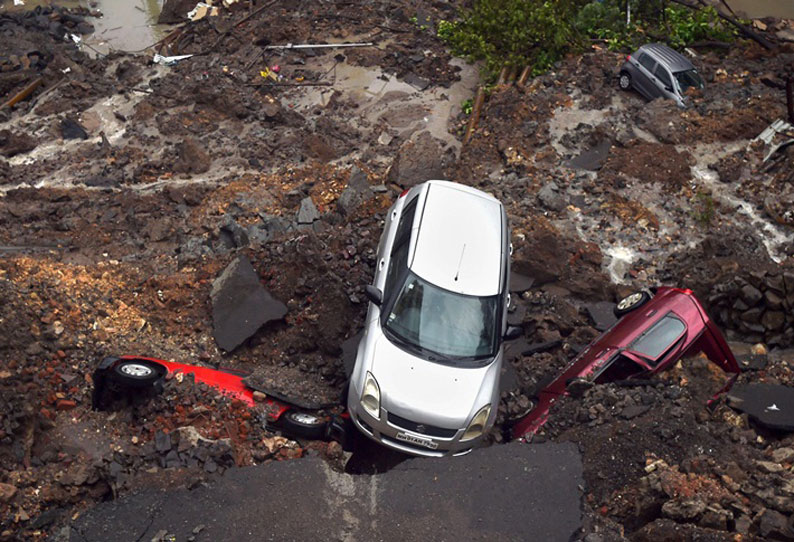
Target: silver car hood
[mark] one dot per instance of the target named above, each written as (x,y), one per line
(428,392)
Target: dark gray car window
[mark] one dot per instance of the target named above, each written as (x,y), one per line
(659,338)
(404,227)
(647,62)
(663,76)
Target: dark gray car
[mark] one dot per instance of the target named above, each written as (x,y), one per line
(655,70)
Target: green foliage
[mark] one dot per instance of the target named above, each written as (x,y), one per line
(606,21)
(512,33)
(703,209)
(466,106)
(517,33)
(686,26)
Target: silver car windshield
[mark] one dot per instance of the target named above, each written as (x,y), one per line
(687,79)
(442,322)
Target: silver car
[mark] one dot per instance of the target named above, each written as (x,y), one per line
(655,70)
(426,377)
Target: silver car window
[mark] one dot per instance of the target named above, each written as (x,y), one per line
(647,62)
(654,342)
(687,79)
(663,75)
(443,322)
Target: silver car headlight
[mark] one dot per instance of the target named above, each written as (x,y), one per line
(477,425)
(370,396)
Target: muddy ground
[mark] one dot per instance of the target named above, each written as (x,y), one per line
(128,186)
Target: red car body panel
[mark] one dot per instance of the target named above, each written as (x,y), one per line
(227,381)
(700,334)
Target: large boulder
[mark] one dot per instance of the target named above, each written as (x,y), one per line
(419,159)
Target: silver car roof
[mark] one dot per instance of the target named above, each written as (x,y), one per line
(460,240)
(673,60)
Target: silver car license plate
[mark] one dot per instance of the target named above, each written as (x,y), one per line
(419,441)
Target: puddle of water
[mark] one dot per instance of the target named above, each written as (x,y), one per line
(125,25)
(378,94)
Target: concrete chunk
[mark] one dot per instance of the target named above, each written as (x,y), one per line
(240,305)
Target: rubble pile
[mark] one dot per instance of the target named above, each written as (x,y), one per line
(128,186)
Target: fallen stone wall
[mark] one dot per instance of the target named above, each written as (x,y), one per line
(758,305)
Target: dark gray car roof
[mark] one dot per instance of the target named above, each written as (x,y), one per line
(675,61)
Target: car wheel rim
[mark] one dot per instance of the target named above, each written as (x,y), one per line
(305,419)
(624,81)
(135,369)
(627,302)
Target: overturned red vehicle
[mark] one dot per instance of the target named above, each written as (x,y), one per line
(655,329)
(144,373)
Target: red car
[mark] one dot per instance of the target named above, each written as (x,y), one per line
(654,330)
(135,372)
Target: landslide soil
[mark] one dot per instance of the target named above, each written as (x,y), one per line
(109,245)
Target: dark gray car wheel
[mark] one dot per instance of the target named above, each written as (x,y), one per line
(624,80)
(137,373)
(303,425)
(631,302)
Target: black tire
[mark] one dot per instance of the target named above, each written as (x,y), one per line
(137,373)
(631,302)
(303,425)
(624,80)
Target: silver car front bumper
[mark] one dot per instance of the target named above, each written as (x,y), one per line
(404,440)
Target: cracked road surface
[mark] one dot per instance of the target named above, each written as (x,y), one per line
(537,488)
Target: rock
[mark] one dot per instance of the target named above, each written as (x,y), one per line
(192,158)
(12,143)
(769,467)
(356,192)
(633,411)
(716,517)
(260,397)
(783,455)
(773,525)
(683,510)
(759,349)
(71,129)
(175,11)
(7,492)
(419,83)
(160,536)
(550,197)
(232,234)
(307,213)
(419,159)
(752,316)
(750,295)
(520,283)
(162,442)
(65,404)
(240,305)
(753,362)
(773,320)
(602,313)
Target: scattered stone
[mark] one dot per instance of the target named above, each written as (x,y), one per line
(232,234)
(783,455)
(356,192)
(71,129)
(683,510)
(162,442)
(240,305)
(633,411)
(774,525)
(419,159)
(192,158)
(769,467)
(602,313)
(65,404)
(550,197)
(520,283)
(12,143)
(7,492)
(307,213)
(419,83)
